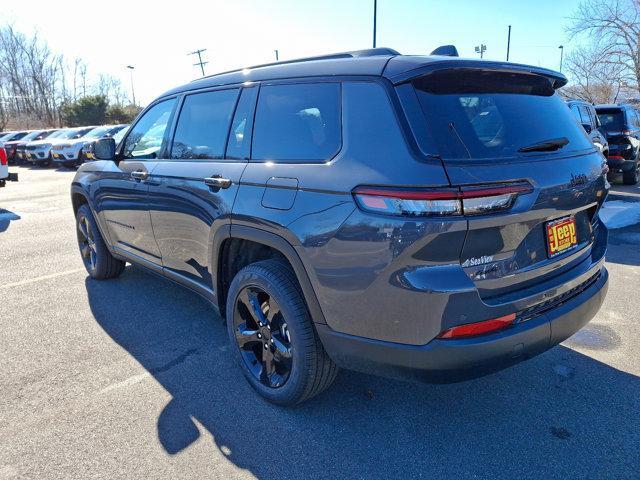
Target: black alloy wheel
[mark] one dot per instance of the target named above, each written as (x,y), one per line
(87,244)
(272,335)
(263,337)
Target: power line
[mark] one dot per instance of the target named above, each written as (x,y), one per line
(200,62)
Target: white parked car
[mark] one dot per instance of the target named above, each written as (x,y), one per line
(39,152)
(70,152)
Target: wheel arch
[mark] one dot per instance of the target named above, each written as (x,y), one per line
(80,197)
(268,245)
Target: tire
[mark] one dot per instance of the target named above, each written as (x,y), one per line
(630,177)
(97,259)
(307,370)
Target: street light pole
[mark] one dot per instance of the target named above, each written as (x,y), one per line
(508,42)
(375,20)
(277,59)
(133,93)
(561,47)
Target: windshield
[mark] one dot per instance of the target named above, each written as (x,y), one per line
(34,136)
(611,119)
(56,134)
(98,132)
(480,114)
(75,133)
(121,133)
(13,136)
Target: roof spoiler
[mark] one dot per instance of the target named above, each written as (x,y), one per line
(446,51)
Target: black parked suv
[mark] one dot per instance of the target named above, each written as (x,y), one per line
(586,115)
(622,126)
(415,216)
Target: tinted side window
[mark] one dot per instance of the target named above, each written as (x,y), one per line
(145,139)
(576,113)
(584,115)
(203,125)
(298,122)
(239,144)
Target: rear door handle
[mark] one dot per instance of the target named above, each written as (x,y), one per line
(140,175)
(217,181)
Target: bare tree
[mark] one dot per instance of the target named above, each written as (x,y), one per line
(110,87)
(593,78)
(614,26)
(32,77)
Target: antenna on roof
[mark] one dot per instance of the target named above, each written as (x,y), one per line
(446,51)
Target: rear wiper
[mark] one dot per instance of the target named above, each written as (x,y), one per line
(546,145)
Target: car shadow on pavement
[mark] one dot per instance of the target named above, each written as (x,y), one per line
(560,415)
(6,217)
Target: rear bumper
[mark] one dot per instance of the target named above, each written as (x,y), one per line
(445,361)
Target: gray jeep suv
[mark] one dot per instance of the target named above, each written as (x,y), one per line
(414,216)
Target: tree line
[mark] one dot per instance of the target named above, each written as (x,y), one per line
(40,88)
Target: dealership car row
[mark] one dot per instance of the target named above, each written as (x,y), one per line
(614,129)
(68,147)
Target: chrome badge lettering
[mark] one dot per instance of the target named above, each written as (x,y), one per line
(472,262)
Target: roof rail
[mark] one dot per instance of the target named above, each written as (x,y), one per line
(369,52)
(446,50)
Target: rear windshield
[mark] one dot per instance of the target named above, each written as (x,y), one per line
(478,114)
(611,119)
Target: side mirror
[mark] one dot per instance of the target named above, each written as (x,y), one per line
(587,127)
(105,149)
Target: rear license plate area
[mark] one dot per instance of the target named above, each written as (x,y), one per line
(562,235)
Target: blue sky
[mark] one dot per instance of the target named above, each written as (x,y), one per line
(238,33)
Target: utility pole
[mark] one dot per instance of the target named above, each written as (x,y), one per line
(133,92)
(508,42)
(375,19)
(276,52)
(481,49)
(200,62)
(561,47)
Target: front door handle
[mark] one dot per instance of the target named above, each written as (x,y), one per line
(217,182)
(140,175)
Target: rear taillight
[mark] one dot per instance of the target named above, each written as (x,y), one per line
(478,328)
(615,157)
(3,157)
(468,200)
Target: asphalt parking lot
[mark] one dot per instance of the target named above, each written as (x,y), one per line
(131,378)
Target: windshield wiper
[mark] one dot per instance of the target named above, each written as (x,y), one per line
(546,145)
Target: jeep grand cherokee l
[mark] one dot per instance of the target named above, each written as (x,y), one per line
(415,216)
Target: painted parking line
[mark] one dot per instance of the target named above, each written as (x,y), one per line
(41,278)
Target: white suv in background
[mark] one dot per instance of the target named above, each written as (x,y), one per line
(69,153)
(39,152)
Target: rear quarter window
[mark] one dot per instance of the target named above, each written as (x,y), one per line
(297,123)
